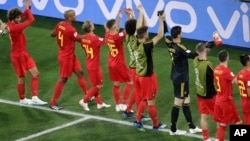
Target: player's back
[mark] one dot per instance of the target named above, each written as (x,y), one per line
(116,50)
(180,62)
(243,81)
(131,43)
(66,36)
(91,45)
(223,79)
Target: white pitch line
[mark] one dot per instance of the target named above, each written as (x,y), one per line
(93,117)
(53,129)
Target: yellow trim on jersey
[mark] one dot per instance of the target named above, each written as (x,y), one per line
(211,66)
(182,89)
(182,46)
(148,42)
(167,40)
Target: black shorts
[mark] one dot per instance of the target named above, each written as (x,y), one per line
(181,90)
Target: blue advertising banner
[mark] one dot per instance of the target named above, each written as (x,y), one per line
(199,19)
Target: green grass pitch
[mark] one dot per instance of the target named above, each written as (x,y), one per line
(18,122)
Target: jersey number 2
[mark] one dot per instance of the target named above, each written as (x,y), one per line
(242,88)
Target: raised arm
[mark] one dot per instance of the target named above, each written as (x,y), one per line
(140,18)
(26,13)
(130,13)
(119,19)
(160,33)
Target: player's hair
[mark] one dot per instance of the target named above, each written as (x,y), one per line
(14,13)
(110,23)
(68,13)
(200,47)
(175,31)
(141,32)
(86,26)
(130,26)
(222,55)
(244,58)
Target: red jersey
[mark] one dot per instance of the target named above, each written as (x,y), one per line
(243,80)
(91,45)
(16,34)
(66,35)
(116,50)
(223,77)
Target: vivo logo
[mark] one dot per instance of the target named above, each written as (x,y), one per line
(238,23)
(236,16)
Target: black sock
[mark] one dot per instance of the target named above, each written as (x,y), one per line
(174,117)
(188,115)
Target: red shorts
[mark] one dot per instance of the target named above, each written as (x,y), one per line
(206,106)
(95,76)
(68,65)
(119,73)
(22,64)
(226,112)
(147,86)
(133,73)
(246,118)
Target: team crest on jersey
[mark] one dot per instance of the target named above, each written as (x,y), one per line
(75,34)
(121,34)
(232,73)
(188,51)
(101,39)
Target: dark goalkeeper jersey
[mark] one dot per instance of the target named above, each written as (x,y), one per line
(180,55)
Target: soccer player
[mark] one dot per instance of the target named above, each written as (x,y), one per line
(66,36)
(91,44)
(205,89)
(180,77)
(130,40)
(118,71)
(225,111)
(146,83)
(243,81)
(20,58)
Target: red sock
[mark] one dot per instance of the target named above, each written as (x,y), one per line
(137,100)
(220,133)
(116,94)
(126,93)
(98,98)
(91,92)
(141,109)
(82,83)
(57,92)
(21,90)
(153,114)
(34,86)
(131,102)
(205,134)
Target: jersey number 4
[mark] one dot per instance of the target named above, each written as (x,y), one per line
(60,38)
